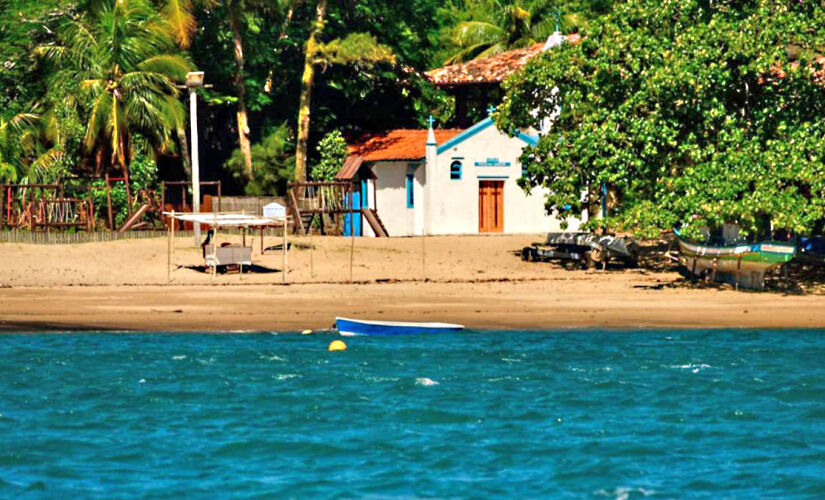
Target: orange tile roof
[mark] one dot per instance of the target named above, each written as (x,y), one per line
(401,144)
(493,69)
(351,166)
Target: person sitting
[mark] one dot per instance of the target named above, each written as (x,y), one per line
(207,241)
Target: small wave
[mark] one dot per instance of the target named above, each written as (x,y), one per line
(286,376)
(511,360)
(381,379)
(273,358)
(695,368)
(425,381)
(179,357)
(624,492)
(142,381)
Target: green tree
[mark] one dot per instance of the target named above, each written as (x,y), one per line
(273,163)
(13,134)
(684,114)
(332,150)
(124,58)
(358,49)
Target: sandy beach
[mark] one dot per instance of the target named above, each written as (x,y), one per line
(478,281)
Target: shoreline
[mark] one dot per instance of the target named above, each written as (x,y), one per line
(500,305)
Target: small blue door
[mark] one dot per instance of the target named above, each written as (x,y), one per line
(360,200)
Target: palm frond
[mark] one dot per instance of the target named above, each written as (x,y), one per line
(8,172)
(543,29)
(493,50)
(467,54)
(22,122)
(98,119)
(477,32)
(146,82)
(181,22)
(173,66)
(47,166)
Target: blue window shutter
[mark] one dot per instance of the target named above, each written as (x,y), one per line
(410,190)
(455,170)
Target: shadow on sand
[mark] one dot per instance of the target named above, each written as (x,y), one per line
(253,269)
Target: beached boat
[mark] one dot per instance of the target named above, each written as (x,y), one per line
(587,248)
(352,327)
(741,264)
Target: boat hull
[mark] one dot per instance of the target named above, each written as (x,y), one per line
(739,258)
(741,265)
(352,327)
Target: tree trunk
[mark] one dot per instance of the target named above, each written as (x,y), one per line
(184,150)
(306,93)
(240,86)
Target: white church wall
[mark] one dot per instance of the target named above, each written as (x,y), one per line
(391,197)
(488,155)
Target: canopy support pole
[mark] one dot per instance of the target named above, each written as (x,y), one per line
(312,253)
(284,270)
(243,246)
(171,248)
(423,257)
(215,250)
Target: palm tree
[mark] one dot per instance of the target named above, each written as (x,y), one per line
(505,25)
(14,132)
(125,60)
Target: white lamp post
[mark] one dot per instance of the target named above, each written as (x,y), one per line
(194,81)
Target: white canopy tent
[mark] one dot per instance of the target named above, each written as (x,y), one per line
(216,221)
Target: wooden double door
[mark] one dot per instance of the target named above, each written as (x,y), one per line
(490,206)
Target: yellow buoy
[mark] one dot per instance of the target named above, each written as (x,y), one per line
(337,345)
(306,332)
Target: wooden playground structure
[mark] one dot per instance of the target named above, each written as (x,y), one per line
(308,200)
(43,207)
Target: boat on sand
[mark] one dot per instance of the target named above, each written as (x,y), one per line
(742,264)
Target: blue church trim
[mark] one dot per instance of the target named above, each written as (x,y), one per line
(478,127)
(463,136)
(532,140)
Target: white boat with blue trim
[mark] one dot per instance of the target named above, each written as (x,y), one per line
(348,327)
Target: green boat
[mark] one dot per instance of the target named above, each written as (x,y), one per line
(741,264)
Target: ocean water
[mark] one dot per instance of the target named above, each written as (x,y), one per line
(508,414)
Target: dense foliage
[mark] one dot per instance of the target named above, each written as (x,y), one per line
(489,27)
(273,164)
(332,151)
(686,110)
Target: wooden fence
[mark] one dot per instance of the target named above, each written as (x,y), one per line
(72,238)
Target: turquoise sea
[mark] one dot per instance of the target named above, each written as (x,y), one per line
(480,414)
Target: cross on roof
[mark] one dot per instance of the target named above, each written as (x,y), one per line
(491,110)
(431,120)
